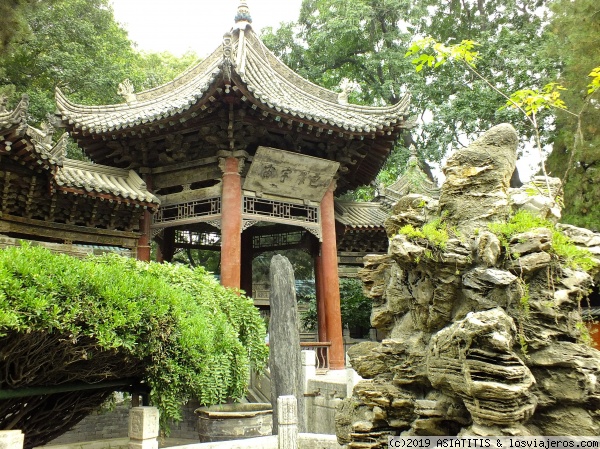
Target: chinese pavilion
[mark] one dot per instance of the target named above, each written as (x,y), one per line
(238,152)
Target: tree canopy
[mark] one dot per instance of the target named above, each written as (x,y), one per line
(575,43)
(78,46)
(366,41)
(65,321)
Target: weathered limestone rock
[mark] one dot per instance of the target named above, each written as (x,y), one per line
(439,414)
(567,373)
(403,359)
(530,263)
(585,239)
(515,430)
(533,197)
(488,248)
(383,283)
(413,209)
(473,358)
(533,241)
(482,338)
(568,421)
(478,178)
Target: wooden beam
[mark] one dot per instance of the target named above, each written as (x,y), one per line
(61,232)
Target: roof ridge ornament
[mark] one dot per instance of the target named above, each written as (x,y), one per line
(243,19)
(227,60)
(413,159)
(126,90)
(347,87)
(59,152)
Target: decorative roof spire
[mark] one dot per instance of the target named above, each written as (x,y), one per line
(413,180)
(413,160)
(243,17)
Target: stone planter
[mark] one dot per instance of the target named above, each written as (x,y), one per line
(234,421)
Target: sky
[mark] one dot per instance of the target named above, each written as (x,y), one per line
(181,25)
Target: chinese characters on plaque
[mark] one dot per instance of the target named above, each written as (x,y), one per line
(288,174)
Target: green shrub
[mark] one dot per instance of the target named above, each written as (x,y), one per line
(562,246)
(194,337)
(436,232)
(355,307)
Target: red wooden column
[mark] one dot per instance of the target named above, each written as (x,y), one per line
(143,246)
(321,314)
(330,281)
(231,222)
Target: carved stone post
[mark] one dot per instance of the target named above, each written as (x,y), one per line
(287,428)
(231,222)
(143,428)
(11,439)
(331,282)
(309,366)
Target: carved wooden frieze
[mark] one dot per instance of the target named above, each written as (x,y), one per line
(291,175)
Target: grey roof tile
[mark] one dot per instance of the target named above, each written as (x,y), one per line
(270,81)
(102,179)
(360,214)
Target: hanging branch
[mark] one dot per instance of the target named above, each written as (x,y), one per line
(528,101)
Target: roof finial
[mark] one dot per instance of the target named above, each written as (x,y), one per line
(243,17)
(413,160)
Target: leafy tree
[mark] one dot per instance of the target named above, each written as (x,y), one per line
(14,17)
(78,45)
(355,307)
(575,41)
(65,320)
(366,40)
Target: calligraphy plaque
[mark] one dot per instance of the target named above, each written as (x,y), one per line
(288,174)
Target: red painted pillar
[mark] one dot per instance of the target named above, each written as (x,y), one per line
(331,282)
(321,314)
(231,223)
(143,246)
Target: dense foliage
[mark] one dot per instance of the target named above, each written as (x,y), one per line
(575,42)
(176,328)
(355,307)
(365,41)
(78,46)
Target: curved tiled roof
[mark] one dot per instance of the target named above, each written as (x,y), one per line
(16,118)
(413,180)
(252,68)
(152,105)
(356,214)
(93,178)
(68,174)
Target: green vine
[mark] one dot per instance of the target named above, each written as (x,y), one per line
(183,332)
